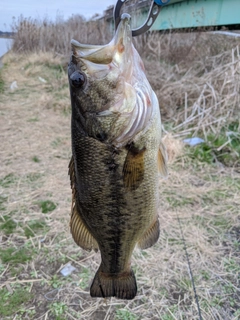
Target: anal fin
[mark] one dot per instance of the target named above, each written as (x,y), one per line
(151,236)
(80,233)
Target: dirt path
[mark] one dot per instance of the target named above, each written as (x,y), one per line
(35,200)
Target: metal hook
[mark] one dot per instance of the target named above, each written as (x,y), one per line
(155,8)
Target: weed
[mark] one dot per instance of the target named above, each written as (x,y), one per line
(169,314)
(237,314)
(202,153)
(8,180)
(3,199)
(15,271)
(14,255)
(27,65)
(228,288)
(174,241)
(33,227)
(221,222)
(179,200)
(33,176)
(2,268)
(205,275)
(8,226)
(232,266)
(10,303)
(57,282)
(35,119)
(122,314)
(35,159)
(1,83)
(47,206)
(185,283)
(24,313)
(236,245)
(84,277)
(224,147)
(58,309)
(56,142)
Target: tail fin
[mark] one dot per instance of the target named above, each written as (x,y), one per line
(122,286)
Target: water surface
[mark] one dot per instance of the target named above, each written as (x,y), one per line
(5,45)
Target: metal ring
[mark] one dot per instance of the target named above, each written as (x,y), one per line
(152,16)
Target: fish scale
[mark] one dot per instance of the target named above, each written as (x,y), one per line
(116,162)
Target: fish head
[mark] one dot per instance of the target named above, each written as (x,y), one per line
(104,83)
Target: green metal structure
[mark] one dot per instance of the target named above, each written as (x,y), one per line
(198,13)
(183,14)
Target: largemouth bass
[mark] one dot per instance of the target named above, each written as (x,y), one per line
(117,158)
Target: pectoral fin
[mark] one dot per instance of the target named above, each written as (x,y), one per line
(80,233)
(151,236)
(162,160)
(133,169)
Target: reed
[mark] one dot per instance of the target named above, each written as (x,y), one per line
(195,75)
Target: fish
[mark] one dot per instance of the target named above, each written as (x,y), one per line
(117,158)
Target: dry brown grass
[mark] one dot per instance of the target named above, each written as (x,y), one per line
(44,35)
(198,74)
(197,82)
(35,151)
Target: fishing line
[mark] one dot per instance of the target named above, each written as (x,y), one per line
(190,270)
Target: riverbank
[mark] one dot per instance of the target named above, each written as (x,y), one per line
(5,46)
(35,200)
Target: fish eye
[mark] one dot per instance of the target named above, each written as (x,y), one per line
(77,79)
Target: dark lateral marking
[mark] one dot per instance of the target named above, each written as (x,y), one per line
(133,169)
(101,136)
(111,162)
(112,166)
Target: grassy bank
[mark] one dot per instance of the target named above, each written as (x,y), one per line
(198,95)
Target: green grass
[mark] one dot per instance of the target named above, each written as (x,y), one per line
(223,147)
(47,206)
(35,119)
(84,278)
(8,180)
(35,159)
(55,67)
(232,266)
(58,281)
(14,255)
(33,176)
(11,302)
(1,83)
(122,314)
(3,200)
(34,227)
(57,142)
(169,314)
(58,310)
(179,200)
(8,225)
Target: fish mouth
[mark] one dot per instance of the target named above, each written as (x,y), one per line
(115,51)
